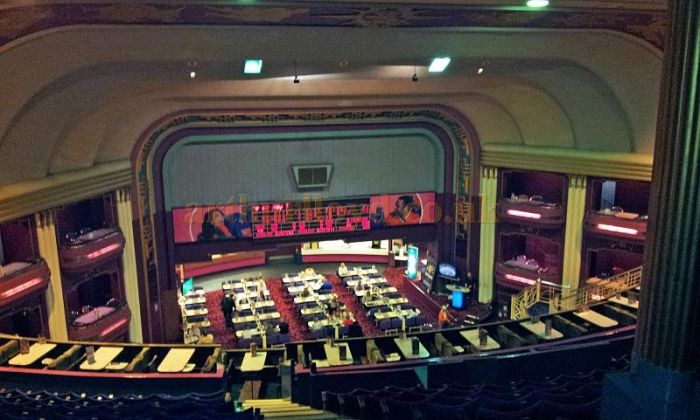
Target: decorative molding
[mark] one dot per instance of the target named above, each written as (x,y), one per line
(23,20)
(28,197)
(632,166)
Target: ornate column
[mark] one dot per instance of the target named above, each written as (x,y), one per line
(48,249)
(489,197)
(573,234)
(663,382)
(129,270)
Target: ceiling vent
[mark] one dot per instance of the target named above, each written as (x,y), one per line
(312,177)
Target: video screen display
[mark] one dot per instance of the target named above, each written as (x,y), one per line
(212,223)
(282,219)
(300,218)
(402,209)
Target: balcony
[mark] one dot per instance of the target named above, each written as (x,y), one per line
(531,211)
(522,272)
(104,323)
(88,249)
(21,279)
(617,223)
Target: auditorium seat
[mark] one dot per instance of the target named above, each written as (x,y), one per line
(8,351)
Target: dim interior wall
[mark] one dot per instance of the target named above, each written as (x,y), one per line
(204,171)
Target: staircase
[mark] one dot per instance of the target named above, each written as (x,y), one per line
(558,301)
(283,408)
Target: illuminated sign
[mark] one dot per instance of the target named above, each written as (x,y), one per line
(277,220)
(618,229)
(524,214)
(412,261)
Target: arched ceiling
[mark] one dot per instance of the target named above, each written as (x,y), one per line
(78,95)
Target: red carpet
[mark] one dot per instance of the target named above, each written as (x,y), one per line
(222,335)
(298,330)
(350,301)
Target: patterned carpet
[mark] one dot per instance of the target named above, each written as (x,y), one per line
(350,301)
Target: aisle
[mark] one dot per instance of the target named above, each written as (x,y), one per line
(298,331)
(353,305)
(222,335)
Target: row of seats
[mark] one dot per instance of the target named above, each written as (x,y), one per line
(569,396)
(16,403)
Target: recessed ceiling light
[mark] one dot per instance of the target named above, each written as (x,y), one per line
(439,64)
(536,4)
(252,66)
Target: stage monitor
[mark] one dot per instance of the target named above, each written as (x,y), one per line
(187,286)
(447,270)
(412,262)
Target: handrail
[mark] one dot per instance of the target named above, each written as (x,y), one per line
(605,289)
(552,294)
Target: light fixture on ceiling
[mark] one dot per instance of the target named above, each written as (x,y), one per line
(439,64)
(192,65)
(415,74)
(252,66)
(296,76)
(479,70)
(537,4)
(482,67)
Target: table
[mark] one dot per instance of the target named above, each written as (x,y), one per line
(381,291)
(253,364)
(624,300)
(196,312)
(406,313)
(472,336)
(385,302)
(36,352)
(252,318)
(103,356)
(303,278)
(366,282)
(404,345)
(333,354)
(596,319)
(314,298)
(538,328)
(258,304)
(175,360)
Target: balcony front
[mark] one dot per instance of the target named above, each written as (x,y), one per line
(88,249)
(21,279)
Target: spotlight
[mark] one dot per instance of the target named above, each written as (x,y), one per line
(192,65)
(415,74)
(479,70)
(296,76)
(193,74)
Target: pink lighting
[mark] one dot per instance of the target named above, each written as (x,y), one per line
(103,251)
(520,279)
(618,229)
(113,327)
(22,287)
(524,214)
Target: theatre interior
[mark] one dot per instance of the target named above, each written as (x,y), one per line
(349,209)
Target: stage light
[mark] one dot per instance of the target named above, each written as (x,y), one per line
(537,4)
(439,64)
(252,66)
(193,75)
(525,214)
(296,76)
(618,229)
(479,70)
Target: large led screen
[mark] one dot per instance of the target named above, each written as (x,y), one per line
(402,209)
(210,223)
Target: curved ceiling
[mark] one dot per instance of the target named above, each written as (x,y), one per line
(81,95)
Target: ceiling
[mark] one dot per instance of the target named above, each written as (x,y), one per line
(76,95)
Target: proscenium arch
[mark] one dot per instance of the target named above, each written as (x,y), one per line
(452,128)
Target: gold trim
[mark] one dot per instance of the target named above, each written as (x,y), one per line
(632,166)
(28,197)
